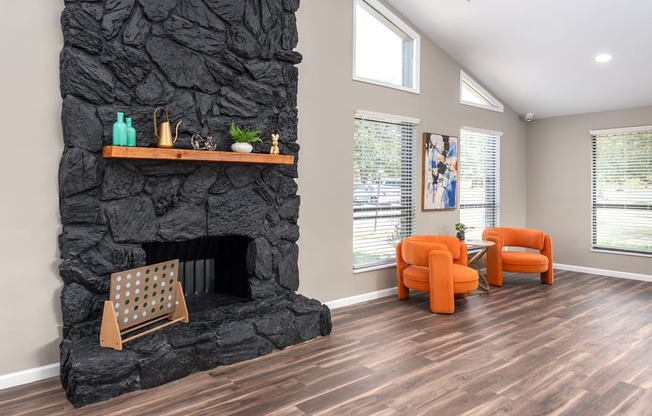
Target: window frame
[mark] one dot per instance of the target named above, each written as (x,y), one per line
(496,189)
(595,247)
(401,26)
(411,192)
(495,104)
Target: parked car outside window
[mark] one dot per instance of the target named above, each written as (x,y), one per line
(377,194)
(364,194)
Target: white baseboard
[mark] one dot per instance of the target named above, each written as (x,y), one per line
(28,376)
(339,303)
(604,272)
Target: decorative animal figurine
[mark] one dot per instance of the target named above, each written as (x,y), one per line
(197,142)
(274,149)
(209,143)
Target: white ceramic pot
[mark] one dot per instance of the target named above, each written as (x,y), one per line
(242,147)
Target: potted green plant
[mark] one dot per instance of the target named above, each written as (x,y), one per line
(243,138)
(461,230)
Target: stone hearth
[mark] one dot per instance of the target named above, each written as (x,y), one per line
(209,62)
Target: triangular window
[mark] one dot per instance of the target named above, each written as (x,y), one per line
(471,93)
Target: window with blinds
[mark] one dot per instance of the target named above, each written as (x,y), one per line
(383,187)
(622,190)
(479,180)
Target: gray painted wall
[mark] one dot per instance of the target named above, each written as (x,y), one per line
(559,186)
(30,39)
(328,98)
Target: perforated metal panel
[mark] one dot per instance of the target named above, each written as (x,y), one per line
(142,294)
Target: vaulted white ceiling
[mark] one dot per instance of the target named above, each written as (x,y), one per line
(538,55)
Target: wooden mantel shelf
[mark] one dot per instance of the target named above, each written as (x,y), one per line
(155,153)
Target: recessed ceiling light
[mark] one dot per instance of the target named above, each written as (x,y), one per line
(602,58)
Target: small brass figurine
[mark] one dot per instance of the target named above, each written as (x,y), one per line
(274,149)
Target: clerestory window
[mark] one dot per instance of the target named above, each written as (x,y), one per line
(472,93)
(386,50)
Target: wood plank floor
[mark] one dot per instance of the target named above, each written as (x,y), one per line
(580,347)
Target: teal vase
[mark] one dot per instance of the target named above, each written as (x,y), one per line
(120,131)
(131,134)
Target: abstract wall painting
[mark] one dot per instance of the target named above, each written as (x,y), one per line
(440,170)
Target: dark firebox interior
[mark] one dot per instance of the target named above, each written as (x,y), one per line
(209,268)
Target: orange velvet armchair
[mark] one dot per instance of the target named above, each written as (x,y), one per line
(498,260)
(437,265)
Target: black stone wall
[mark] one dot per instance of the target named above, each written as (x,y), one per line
(209,62)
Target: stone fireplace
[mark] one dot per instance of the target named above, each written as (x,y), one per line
(233,226)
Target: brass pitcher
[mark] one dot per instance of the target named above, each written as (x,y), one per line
(163,132)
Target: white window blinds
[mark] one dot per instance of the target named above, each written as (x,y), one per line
(622,190)
(479,181)
(383,187)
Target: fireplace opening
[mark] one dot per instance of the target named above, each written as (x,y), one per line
(209,267)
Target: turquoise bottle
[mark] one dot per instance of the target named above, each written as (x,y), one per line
(131,134)
(120,131)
